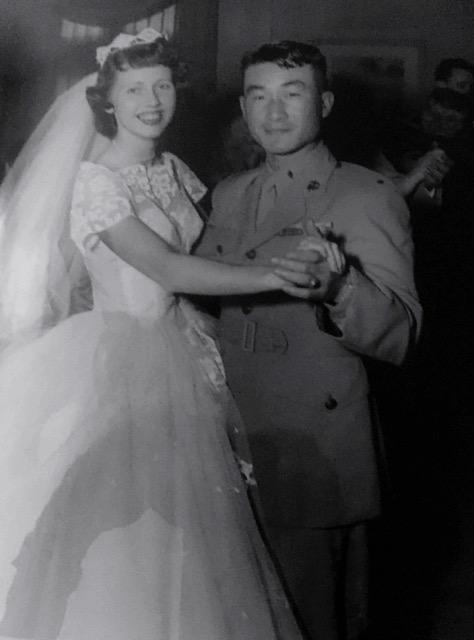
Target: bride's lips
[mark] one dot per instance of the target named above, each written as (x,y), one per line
(151,117)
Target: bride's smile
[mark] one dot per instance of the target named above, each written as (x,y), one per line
(143,102)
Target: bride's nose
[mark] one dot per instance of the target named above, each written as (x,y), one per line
(153,96)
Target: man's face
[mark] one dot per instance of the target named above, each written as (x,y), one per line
(283,107)
(460,81)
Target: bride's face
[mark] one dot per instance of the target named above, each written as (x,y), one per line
(144,101)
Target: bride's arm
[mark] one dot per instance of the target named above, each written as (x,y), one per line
(139,246)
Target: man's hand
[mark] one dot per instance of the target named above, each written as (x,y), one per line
(315,271)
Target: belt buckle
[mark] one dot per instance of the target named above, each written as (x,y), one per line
(248,336)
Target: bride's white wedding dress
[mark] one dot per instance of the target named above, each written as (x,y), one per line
(123,515)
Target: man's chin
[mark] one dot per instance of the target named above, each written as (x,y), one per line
(280,149)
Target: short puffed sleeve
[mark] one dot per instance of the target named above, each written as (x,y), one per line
(100,200)
(194,187)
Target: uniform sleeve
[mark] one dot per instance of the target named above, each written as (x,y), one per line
(100,200)
(377,312)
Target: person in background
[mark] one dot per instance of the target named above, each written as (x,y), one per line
(294,360)
(422,181)
(443,132)
(456,74)
(355,131)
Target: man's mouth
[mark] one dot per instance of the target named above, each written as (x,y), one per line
(273,131)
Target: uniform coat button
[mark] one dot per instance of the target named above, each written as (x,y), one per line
(252,254)
(313,185)
(246,309)
(331,403)
(219,248)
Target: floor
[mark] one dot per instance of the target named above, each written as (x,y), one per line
(424,545)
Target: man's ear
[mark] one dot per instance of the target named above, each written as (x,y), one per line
(327,101)
(242,107)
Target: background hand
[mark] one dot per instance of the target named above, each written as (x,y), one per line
(432,167)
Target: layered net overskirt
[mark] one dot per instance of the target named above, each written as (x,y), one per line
(123,514)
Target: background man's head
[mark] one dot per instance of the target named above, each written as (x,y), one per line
(456,74)
(285,95)
(447,114)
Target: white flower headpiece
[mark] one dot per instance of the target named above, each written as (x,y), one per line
(125,40)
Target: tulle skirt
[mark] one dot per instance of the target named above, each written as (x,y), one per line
(123,515)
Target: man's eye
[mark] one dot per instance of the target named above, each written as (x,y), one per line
(133,90)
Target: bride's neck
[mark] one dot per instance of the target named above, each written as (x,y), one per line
(125,152)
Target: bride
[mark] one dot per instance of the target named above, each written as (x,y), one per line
(123,515)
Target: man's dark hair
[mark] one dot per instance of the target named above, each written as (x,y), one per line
(289,54)
(444,69)
(450,99)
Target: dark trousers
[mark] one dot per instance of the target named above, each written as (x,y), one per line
(326,573)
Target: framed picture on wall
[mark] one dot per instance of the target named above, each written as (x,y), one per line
(390,70)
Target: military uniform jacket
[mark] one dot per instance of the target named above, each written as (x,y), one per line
(295,367)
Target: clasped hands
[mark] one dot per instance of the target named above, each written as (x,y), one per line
(314,271)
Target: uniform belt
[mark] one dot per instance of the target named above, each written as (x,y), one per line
(253,336)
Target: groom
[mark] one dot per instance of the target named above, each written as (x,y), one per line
(294,362)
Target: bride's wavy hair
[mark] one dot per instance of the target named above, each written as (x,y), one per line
(152,54)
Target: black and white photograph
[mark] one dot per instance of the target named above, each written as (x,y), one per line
(236,320)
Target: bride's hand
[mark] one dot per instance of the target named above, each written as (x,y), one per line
(273,281)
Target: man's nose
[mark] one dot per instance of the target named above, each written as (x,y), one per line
(276,109)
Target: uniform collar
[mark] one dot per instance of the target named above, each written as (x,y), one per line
(312,164)
(305,190)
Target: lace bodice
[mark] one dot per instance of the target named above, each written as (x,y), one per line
(160,195)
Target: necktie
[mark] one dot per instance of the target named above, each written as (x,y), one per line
(266,200)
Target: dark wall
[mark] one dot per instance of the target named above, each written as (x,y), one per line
(439,28)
